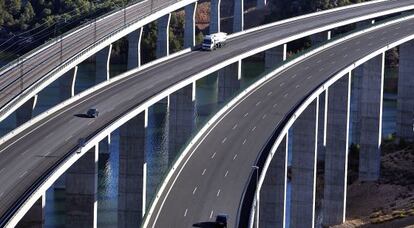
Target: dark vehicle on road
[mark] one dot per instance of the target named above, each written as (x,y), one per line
(221,220)
(92,113)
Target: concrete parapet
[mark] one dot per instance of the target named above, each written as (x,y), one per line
(302,213)
(134,49)
(131,189)
(273,191)
(81,191)
(336,157)
(163,46)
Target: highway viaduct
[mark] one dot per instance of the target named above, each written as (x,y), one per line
(186,94)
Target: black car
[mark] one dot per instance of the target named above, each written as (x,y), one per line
(92,113)
(221,220)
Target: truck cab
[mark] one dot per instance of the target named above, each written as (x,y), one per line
(213,41)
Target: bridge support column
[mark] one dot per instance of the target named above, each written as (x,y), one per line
(273,192)
(371,117)
(189,27)
(215,16)
(134,49)
(104,145)
(67,84)
(103,58)
(405,101)
(275,56)
(81,191)
(302,213)
(336,158)
(322,126)
(320,37)
(228,81)
(180,119)
(238,16)
(163,47)
(35,217)
(25,112)
(356,87)
(131,187)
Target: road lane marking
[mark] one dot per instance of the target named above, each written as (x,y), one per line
(244,142)
(203,172)
(281,84)
(275,105)
(309,77)
(235,156)
(224,140)
(91,122)
(257,104)
(235,126)
(218,193)
(264,116)
(1,194)
(346,55)
(294,76)
(227,172)
(185,213)
(246,114)
(285,95)
(211,214)
(319,61)
(1,170)
(332,54)
(213,155)
(194,191)
(297,86)
(253,128)
(269,93)
(22,175)
(321,69)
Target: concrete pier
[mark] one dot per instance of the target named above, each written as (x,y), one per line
(131,188)
(275,56)
(189,27)
(228,81)
(405,100)
(302,213)
(134,49)
(181,119)
(25,112)
(273,192)
(238,16)
(81,191)
(104,145)
(215,16)
(371,119)
(103,58)
(356,87)
(67,84)
(35,217)
(322,126)
(320,37)
(163,30)
(336,157)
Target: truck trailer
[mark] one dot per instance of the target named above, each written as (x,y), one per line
(213,41)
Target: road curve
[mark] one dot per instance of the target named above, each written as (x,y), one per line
(212,180)
(34,70)
(27,156)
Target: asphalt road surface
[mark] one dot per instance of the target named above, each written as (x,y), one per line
(236,140)
(34,69)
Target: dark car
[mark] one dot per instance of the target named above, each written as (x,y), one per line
(221,220)
(92,113)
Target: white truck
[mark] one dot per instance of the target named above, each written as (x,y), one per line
(213,41)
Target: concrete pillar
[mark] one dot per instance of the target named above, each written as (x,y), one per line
(320,37)
(215,16)
(81,191)
(134,49)
(302,213)
(275,56)
(103,58)
(336,158)
(131,187)
(24,113)
(238,16)
(405,100)
(322,126)
(104,145)
(371,117)
(273,192)
(356,87)
(189,27)
(181,119)
(67,84)
(35,217)
(228,81)
(260,4)
(163,46)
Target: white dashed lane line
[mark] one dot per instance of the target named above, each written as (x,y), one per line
(254,128)
(264,116)
(211,214)
(204,171)
(214,154)
(194,191)
(258,103)
(281,84)
(275,105)
(185,213)
(297,86)
(218,193)
(22,175)
(224,140)
(227,173)
(285,95)
(235,126)
(244,142)
(269,93)
(246,114)
(235,156)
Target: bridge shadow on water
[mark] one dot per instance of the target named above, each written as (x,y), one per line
(207,225)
